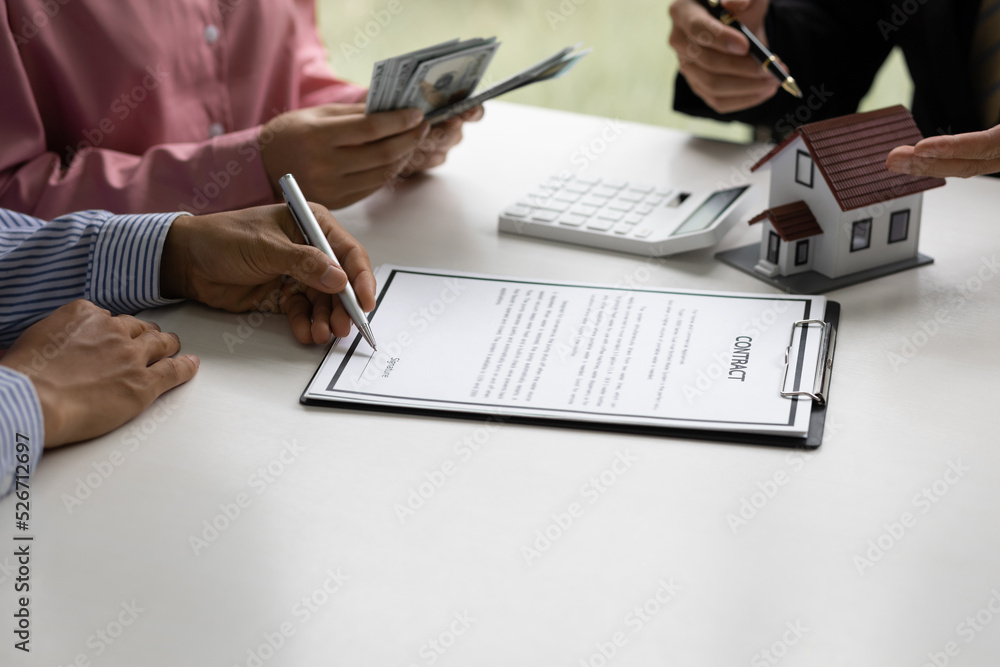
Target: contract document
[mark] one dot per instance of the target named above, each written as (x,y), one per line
(624,356)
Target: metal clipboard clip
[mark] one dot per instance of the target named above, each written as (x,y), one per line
(824,365)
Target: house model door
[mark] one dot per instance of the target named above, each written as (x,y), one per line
(773,246)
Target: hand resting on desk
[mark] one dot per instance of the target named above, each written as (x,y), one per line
(109,370)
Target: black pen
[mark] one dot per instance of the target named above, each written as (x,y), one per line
(760,53)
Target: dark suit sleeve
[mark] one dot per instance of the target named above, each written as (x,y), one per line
(833,48)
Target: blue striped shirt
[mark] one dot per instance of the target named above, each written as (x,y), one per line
(111,260)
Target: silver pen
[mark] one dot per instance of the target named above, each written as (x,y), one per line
(315,237)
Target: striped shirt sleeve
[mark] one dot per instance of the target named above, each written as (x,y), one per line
(21,428)
(111,260)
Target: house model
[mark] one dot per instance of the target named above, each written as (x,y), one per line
(837,215)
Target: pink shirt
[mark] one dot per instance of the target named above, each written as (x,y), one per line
(153,105)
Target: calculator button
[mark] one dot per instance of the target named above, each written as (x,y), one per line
(623,229)
(587,180)
(633,219)
(619,205)
(566,196)
(581,209)
(544,216)
(591,200)
(631,196)
(579,188)
(551,185)
(572,220)
(643,232)
(654,200)
(614,216)
(553,205)
(616,184)
(600,225)
(644,209)
(640,188)
(664,192)
(517,211)
(604,191)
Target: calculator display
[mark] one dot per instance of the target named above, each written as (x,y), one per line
(709,211)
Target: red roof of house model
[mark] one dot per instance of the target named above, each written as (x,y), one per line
(850,152)
(792,221)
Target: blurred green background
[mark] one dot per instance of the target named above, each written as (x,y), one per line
(629,75)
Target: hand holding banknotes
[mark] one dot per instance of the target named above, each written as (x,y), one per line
(433,149)
(340,155)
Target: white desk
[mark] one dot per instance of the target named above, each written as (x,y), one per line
(891,431)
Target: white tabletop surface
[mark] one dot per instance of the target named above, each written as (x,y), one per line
(451,585)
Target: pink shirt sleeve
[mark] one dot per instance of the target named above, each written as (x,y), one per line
(159,159)
(166,177)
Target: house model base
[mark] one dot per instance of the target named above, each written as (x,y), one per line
(811,282)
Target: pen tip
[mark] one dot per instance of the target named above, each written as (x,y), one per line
(792,87)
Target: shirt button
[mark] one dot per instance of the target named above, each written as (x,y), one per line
(215,129)
(211,34)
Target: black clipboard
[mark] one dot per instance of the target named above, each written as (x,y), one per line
(812,440)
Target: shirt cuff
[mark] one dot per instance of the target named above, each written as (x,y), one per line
(125,268)
(22,429)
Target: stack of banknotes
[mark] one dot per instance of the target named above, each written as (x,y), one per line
(441,79)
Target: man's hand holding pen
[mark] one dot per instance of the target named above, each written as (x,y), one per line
(724,68)
(257,259)
(715,58)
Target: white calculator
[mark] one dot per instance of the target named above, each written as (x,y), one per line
(628,217)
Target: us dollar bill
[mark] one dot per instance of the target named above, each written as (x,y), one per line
(447,79)
(440,80)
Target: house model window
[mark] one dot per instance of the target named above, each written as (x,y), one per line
(804,169)
(861,234)
(899,226)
